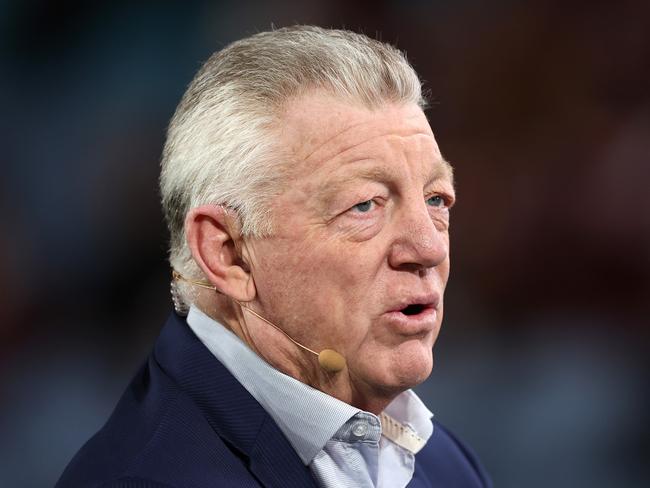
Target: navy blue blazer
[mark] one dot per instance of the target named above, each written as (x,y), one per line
(185,421)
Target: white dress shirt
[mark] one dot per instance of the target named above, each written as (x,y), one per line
(342,445)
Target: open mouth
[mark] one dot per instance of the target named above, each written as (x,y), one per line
(414,316)
(414,309)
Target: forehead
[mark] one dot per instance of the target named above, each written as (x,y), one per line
(318,129)
(315,121)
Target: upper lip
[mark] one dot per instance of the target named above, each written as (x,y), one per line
(429,300)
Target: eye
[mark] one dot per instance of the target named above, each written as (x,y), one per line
(436,201)
(363,207)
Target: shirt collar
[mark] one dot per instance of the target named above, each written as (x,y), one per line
(306,416)
(408,409)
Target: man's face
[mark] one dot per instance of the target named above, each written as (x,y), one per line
(359,257)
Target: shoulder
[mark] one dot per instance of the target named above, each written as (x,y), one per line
(449,462)
(156,438)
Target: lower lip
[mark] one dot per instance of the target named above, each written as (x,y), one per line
(420,323)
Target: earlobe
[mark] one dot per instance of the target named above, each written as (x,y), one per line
(212,235)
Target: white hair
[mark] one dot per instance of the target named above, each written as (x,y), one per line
(221,142)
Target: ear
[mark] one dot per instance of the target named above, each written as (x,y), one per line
(213,234)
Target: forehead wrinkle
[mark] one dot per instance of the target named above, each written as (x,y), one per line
(341,152)
(329,139)
(378,174)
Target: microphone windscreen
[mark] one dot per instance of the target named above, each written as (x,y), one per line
(331,361)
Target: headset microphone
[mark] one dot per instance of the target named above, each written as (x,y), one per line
(328,359)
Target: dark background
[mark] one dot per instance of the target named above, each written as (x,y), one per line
(543,107)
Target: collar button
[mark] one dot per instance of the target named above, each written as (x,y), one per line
(360,429)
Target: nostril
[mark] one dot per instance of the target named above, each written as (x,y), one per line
(414,309)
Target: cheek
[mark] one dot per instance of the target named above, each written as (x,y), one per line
(322,290)
(283,272)
(296,278)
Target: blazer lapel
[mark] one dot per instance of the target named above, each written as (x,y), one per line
(230,410)
(277,465)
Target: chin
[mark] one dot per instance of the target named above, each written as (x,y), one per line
(405,367)
(413,368)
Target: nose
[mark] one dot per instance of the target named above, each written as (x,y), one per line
(418,243)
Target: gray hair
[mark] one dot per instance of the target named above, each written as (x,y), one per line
(220,146)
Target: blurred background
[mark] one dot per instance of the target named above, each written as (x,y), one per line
(543,107)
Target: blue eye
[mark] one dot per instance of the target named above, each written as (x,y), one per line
(363,207)
(436,201)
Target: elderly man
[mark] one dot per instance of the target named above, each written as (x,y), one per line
(308,205)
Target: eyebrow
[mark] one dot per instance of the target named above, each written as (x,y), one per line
(441,170)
